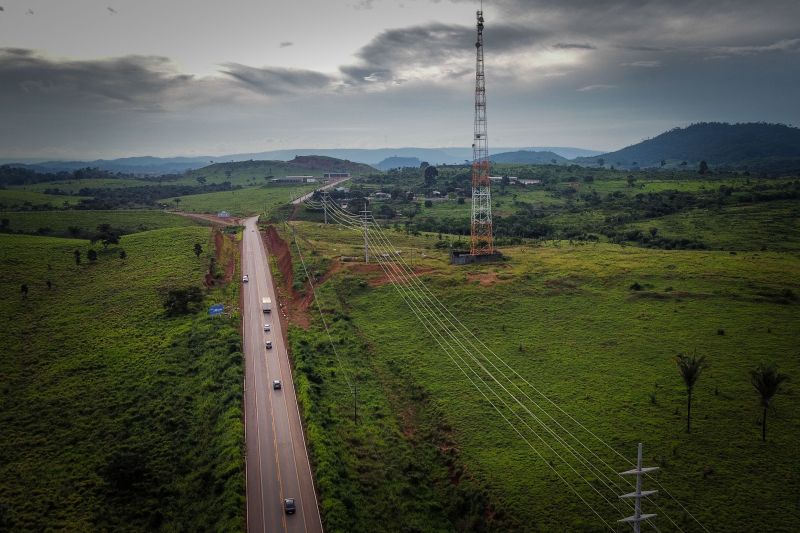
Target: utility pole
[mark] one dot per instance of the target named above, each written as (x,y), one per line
(637,518)
(365,213)
(325,205)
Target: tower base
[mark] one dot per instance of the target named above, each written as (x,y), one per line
(464,257)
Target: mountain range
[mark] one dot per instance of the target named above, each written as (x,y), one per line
(373,157)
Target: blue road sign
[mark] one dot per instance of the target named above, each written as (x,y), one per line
(216,309)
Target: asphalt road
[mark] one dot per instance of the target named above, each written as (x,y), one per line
(306,196)
(277,461)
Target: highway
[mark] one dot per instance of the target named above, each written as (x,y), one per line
(325,187)
(277,461)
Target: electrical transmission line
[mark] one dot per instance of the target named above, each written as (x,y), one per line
(428,304)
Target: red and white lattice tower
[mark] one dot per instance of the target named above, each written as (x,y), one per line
(481,228)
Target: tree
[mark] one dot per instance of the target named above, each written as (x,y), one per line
(91,255)
(663,162)
(123,255)
(49,284)
(767,380)
(77,257)
(703,168)
(198,249)
(600,161)
(424,165)
(690,369)
(24,290)
(106,235)
(430,176)
(177,202)
(460,200)
(428,203)
(183,300)
(5,223)
(74,230)
(201,180)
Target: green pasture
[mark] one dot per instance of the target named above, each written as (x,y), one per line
(114,415)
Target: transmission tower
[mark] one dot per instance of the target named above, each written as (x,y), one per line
(481,228)
(637,518)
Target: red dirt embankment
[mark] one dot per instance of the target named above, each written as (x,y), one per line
(223,255)
(292,305)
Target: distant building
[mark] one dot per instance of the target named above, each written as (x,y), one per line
(498,179)
(530,182)
(294,179)
(335,175)
(382,196)
(224,214)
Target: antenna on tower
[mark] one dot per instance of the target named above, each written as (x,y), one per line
(481,224)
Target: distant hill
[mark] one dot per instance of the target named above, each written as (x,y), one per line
(528,157)
(398,162)
(299,166)
(719,144)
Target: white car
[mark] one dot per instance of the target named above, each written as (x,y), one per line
(245,279)
(266,327)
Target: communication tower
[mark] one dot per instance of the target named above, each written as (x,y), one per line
(481,227)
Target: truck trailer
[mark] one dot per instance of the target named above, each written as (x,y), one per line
(266,305)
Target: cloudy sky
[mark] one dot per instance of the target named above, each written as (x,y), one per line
(112,78)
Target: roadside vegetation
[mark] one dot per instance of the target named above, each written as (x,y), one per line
(118,415)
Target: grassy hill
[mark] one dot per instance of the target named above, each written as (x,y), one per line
(256,172)
(114,415)
(528,157)
(719,144)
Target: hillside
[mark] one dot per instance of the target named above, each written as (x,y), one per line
(312,165)
(529,157)
(398,162)
(719,144)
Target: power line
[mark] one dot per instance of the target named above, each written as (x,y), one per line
(343,217)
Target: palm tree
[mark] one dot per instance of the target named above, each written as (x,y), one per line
(690,369)
(767,380)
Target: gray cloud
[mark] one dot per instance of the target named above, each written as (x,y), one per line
(643,64)
(285,44)
(278,81)
(785,45)
(134,81)
(596,87)
(574,46)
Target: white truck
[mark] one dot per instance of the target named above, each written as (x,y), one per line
(266,304)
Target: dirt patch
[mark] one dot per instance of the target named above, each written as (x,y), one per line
(208,218)
(376,277)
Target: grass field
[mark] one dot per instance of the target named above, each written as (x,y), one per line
(19,199)
(567,320)
(115,416)
(768,226)
(242,201)
(59,222)
(73,186)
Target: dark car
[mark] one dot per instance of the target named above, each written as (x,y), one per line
(276,384)
(289,506)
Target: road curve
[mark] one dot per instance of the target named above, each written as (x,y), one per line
(325,187)
(277,460)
